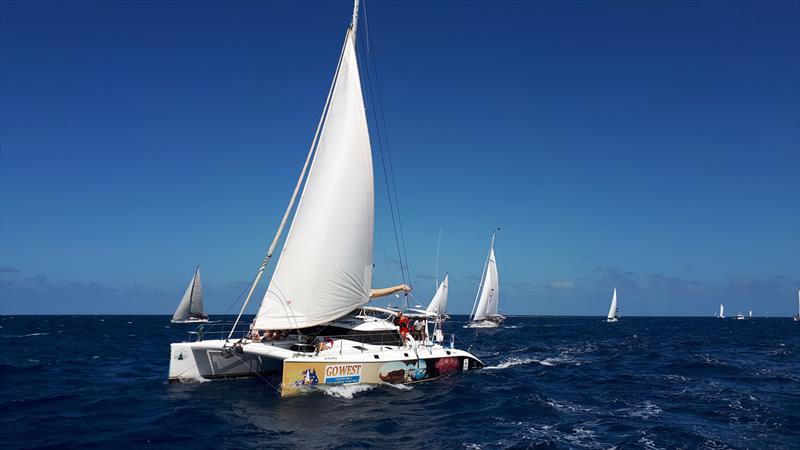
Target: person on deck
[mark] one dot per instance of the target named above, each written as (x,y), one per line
(402,323)
(419,330)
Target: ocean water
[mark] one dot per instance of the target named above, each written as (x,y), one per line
(100,382)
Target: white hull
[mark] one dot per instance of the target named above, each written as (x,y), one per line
(485,323)
(797,318)
(612,319)
(190,321)
(347,362)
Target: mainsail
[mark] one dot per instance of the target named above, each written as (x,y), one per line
(438,304)
(192,301)
(325,267)
(613,312)
(721,311)
(490,289)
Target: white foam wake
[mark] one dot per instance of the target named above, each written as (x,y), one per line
(346,391)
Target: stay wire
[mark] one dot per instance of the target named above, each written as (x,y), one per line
(386,135)
(386,167)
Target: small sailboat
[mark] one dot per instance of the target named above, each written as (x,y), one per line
(613,312)
(313,326)
(438,305)
(190,310)
(485,312)
(750,314)
(797,317)
(721,311)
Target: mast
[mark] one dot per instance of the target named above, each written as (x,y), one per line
(354,24)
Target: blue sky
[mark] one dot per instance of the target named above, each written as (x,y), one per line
(654,146)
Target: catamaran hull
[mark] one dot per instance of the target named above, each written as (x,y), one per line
(300,371)
(300,374)
(207,359)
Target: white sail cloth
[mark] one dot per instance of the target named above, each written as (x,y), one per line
(613,311)
(325,267)
(490,291)
(438,304)
(192,301)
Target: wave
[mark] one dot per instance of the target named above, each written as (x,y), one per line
(345,391)
(34,334)
(511,362)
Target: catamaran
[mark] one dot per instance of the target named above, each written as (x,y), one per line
(721,311)
(313,326)
(485,313)
(190,310)
(613,312)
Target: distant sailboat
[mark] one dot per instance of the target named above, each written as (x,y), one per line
(190,309)
(797,317)
(486,313)
(438,306)
(613,312)
(721,311)
(740,316)
(750,314)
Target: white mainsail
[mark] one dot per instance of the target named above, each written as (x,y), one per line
(490,289)
(325,267)
(613,312)
(192,301)
(438,304)
(721,311)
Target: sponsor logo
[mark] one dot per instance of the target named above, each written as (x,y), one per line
(343,374)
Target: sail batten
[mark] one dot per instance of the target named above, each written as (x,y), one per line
(325,268)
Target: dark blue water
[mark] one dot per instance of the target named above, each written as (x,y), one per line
(90,381)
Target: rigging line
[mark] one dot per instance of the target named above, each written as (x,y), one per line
(384,166)
(255,372)
(240,295)
(386,137)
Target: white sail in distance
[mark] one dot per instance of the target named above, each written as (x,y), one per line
(192,301)
(721,311)
(613,311)
(438,304)
(325,268)
(490,290)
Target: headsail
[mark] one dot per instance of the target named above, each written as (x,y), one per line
(192,302)
(490,290)
(438,304)
(325,267)
(613,312)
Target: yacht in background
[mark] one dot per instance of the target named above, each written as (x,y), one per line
(190,310)
(613,312)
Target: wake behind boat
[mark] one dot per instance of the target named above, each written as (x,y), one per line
(485,312)
(190,309)
(312,325)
